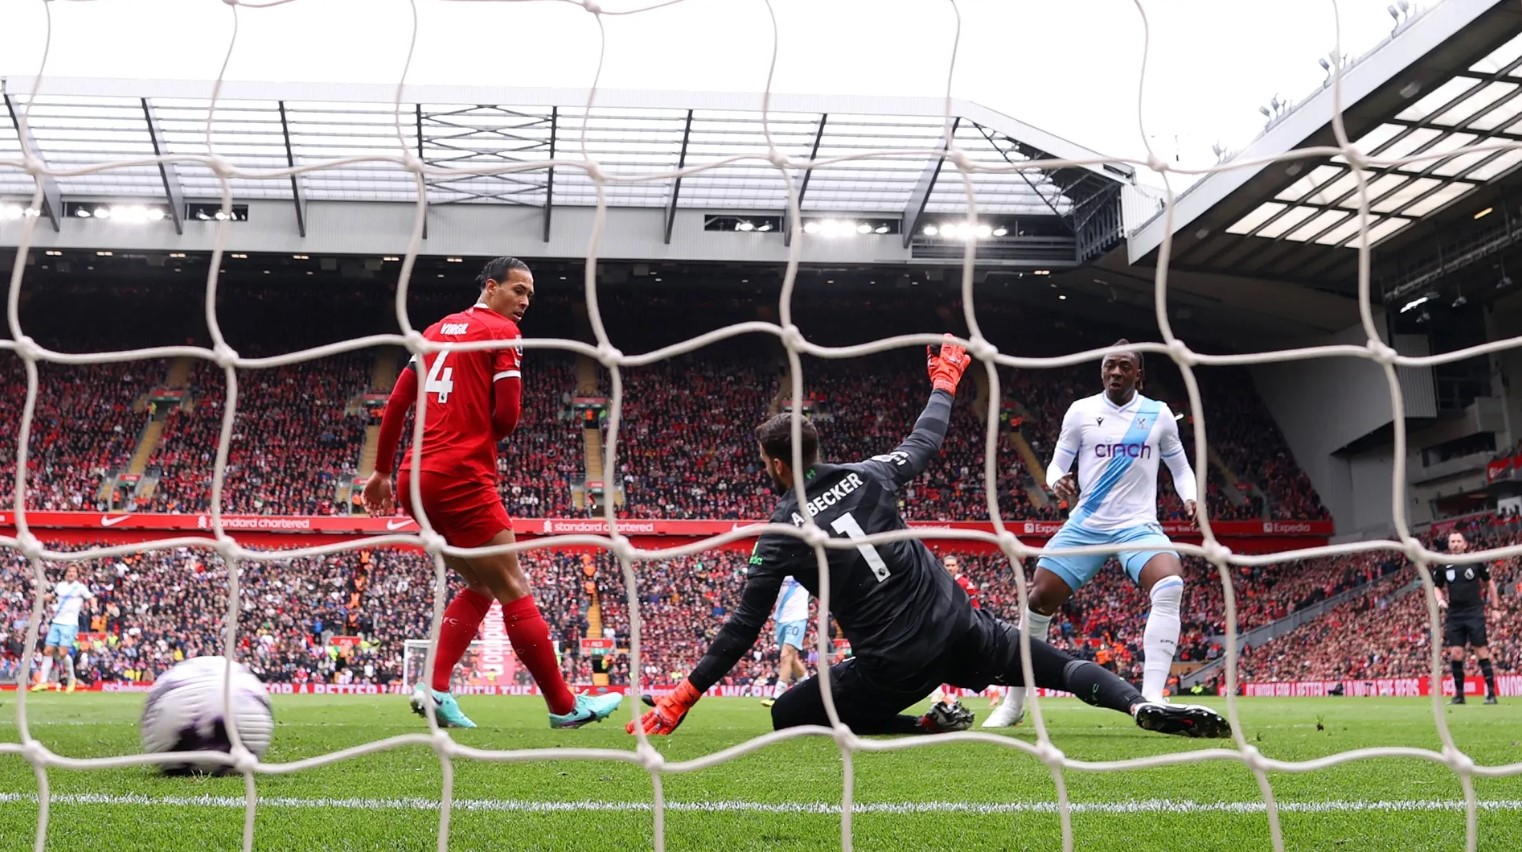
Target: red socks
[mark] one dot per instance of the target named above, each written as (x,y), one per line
(530,636)
(462,618)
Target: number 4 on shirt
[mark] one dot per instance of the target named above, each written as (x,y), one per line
(440,378)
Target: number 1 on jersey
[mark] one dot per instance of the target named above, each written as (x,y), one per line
(440,378)
(847,526)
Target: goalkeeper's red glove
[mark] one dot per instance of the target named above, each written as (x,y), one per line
(669,711)
(946,364)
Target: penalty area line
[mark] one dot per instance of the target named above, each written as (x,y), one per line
(1170,806)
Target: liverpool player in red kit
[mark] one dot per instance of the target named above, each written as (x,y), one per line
(472,400)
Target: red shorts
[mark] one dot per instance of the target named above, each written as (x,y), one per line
(467,513)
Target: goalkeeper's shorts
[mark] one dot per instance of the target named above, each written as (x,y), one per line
(468,513)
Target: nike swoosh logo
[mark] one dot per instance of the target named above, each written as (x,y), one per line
(393,526)
(106,521)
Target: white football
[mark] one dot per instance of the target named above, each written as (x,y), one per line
(186,711)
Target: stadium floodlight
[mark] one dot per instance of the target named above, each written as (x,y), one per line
(931,230)
(984,232)
(177,254)
(54,253)
(201,214)
(881,229)
(1483,213)
(1415,303)
(10,212)
(864,228)
(1001,231)
(103,254)
(811,227)
(102,212)
(764,227)
(239,256)
(82,213)
(454,260)
(391,258)
(745,225)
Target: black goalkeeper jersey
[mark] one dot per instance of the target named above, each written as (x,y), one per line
(1463,582)
(893,601)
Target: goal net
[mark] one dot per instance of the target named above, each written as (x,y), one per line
(789,168)
(488,667)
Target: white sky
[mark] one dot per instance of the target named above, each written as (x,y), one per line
(1068,66)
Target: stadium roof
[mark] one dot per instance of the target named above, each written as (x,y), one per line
(1450,78)
(634,135)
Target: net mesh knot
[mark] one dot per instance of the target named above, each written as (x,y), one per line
(28,349)
(433,543)
(982,348)
(1382,353)
(609,355)
(224,356)
(31,548)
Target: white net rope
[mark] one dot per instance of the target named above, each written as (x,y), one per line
(644,754)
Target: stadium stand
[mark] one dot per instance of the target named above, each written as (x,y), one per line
(300,432)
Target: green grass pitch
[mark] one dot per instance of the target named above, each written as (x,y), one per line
(961,796)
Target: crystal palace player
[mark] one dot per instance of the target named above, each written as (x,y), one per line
(910,625)
(472,401)
(1459,594)
(1118,436)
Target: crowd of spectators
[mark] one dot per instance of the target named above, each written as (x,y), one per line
(297,434)
(66,463)
(155,608)
(1386,632)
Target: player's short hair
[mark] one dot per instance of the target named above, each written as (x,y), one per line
(1134,353)
(775,436)
(498,268)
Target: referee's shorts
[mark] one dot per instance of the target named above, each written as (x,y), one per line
(1464,628)
(467,513)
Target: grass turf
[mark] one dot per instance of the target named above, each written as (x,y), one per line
(129,808)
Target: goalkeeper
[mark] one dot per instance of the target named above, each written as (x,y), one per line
(911,627)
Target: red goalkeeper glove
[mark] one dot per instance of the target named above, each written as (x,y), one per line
(669,711)
(946,364)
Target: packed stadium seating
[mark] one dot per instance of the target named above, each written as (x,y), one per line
(1386,634)
(685,451)
(155,608)
(66,463)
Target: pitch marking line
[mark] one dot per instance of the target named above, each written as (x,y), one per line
(1149,806)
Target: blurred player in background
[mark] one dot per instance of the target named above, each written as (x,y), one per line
(473,399)
(1117,436)
(792,618)
(1459,592)
(69,598)
(953,567)
(910,625)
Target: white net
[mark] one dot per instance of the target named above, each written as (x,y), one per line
(788,168)
(488,666)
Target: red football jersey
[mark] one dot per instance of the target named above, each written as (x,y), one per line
(457,422)
(970,588)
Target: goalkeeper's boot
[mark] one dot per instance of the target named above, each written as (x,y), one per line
(1491,699)
(767,702)
(40,686)
(1009,713)
(944,718)
(1182,720)
(70,687)
(589,708)
(1457,699)
(445,709)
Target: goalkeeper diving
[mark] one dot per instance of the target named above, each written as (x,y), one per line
(911,627)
